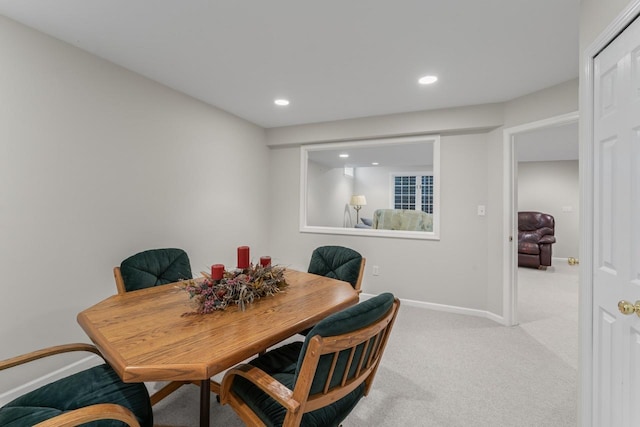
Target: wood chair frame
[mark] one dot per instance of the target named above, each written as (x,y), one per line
(298,401)
(117,274)
(100,411)
(360,275)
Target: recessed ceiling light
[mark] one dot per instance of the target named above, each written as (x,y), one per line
(281,102)
(343,155)
(375,163)
(427,80)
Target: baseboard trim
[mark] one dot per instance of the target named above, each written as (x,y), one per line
(447,308)
(36,383)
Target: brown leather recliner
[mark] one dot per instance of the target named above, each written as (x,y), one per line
(535,237)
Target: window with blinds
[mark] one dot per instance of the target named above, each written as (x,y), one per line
(414,192)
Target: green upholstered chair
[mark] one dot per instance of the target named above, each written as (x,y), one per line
(95,395)
(339,263)
(152,268)
(317,382)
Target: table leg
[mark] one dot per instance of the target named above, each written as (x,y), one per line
(205,401)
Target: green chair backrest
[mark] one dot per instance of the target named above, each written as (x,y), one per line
(336,262)
(351,319)
(155,267)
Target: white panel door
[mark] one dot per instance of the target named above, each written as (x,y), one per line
(616,238)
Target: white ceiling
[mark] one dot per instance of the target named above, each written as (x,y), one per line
(334,59)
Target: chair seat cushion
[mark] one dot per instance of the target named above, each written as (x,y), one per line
(281,364)
(99,384)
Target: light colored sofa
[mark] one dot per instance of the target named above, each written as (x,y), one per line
(401,219)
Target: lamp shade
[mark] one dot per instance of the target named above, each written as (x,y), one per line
(358,201)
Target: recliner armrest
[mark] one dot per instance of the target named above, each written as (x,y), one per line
(528,237)
(547,239)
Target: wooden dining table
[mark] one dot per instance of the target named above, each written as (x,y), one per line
(154,334)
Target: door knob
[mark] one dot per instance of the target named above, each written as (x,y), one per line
(627,308)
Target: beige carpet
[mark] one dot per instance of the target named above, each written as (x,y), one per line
(548,308)
(449,370)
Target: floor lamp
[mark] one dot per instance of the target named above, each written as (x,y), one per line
(358,202)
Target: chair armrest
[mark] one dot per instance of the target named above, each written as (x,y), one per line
(547,240)
(101,411)
(263,381)
(49,351)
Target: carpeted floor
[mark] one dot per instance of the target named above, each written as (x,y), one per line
(442,369)
(548,308)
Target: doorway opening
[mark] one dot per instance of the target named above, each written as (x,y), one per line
(536,147)
(542,170)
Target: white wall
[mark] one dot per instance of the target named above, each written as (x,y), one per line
(450,271)
(549,187)
(495,224)
(550,102)
(546,103)
(465,268)
(373,182)
(477,118)
(328,195)
(97,163)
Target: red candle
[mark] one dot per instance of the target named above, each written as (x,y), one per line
(243,256)
(217,271)
(265,261)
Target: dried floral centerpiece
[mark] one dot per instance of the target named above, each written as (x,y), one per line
(239,287)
